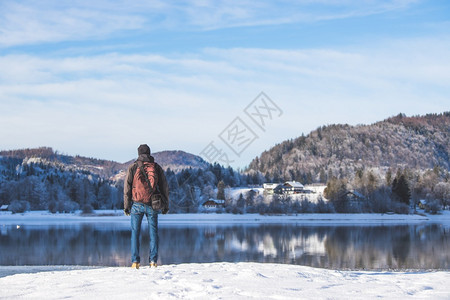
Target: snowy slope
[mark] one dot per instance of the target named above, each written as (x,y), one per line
(224,281)
(317,193)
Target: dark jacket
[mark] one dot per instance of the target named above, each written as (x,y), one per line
(128,184)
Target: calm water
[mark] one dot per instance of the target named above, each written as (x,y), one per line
(342,247)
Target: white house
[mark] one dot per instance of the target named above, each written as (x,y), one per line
(289,187)
(270,187)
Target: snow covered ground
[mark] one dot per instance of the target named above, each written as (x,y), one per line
(218,280)
(223,281)
(46,218)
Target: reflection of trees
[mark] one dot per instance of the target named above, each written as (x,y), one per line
(265,243)
(401,245)
(326,247)
(388,247)
(65,245)
(356,247)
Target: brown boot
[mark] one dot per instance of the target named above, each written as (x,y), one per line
(153,265)
(135,265)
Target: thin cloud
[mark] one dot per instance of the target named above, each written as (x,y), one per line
(29,22)
(35,22)
(99,99)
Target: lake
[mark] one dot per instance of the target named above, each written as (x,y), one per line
(334,247)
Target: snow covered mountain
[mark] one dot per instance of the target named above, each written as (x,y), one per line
(42,178)
(177,160)
(106,169)
(420,142)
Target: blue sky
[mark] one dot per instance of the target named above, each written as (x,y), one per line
(97,78)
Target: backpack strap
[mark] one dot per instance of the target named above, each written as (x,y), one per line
(141,167)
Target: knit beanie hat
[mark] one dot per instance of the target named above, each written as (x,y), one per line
(144,149)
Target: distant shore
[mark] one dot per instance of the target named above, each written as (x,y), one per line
(111,216)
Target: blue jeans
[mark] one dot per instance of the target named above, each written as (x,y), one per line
(138,210)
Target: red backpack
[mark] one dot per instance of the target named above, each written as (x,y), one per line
(141,190)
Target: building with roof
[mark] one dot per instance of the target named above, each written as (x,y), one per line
(289,187)
(213,203)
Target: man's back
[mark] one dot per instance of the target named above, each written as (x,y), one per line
(136,188)
(145,182)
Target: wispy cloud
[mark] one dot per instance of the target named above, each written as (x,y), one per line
(73,75)
(32,22)
(184,101)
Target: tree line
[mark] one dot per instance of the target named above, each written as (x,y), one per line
(43,185)
(399,192)
(37,184)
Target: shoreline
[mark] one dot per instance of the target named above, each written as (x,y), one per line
(111,216)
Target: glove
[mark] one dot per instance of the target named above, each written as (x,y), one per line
(165,211)
(126,211)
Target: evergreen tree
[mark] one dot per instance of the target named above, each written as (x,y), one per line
(401,190)
(336,192)
(389,177)
(105,199)
(322,176)
(240,204)
(221,190)
(250,198)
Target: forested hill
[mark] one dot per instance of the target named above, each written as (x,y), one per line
(43,179)
(419,142)
(177,160)
(106,169)
(46,155)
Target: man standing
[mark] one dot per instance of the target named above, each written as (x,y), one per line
(146,192)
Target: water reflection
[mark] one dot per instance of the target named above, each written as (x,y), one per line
(343,247)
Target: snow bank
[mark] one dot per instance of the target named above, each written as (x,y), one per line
(46,218)
(224,281)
